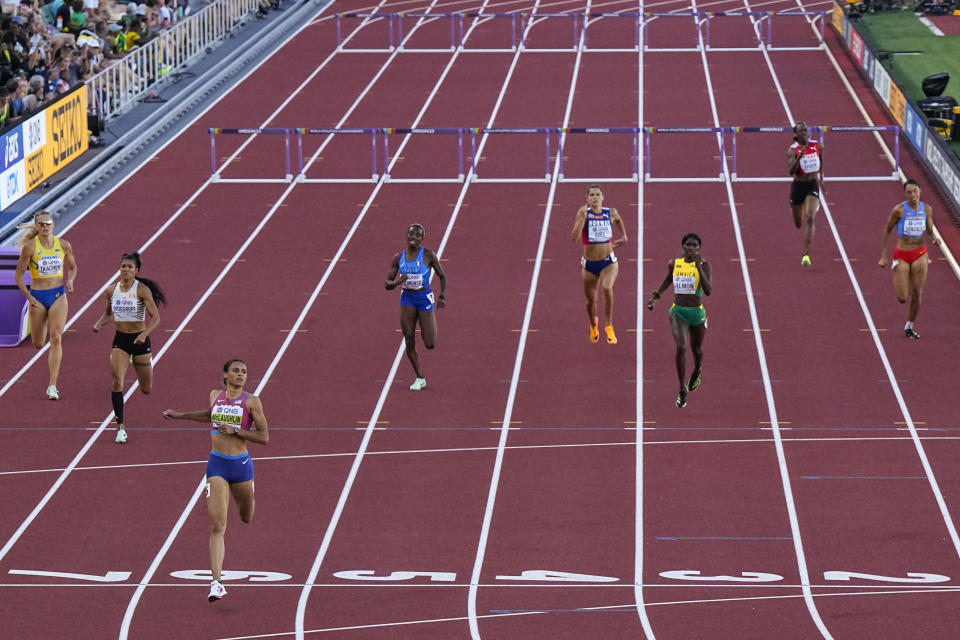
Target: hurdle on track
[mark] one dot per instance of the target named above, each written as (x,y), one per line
(289,176)
(633,132)
(762,24)
(521,23)
(893,175)
(728,164)
(214,132)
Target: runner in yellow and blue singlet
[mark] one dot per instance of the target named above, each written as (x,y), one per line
(52,271)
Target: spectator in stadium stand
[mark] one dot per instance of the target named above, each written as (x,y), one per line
(96,10)
(42,43)
(70,66)
(4,107)
(15,103)
(56,86)
(165,15)
(129,38)
(14,43)
(148,13)
(34,96)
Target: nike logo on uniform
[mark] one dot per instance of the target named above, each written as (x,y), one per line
(246,461)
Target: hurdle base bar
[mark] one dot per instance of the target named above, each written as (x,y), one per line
(562,178)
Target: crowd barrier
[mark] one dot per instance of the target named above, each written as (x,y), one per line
(467,169)
(42,145)
(123,84)
(521,23)
(939,159)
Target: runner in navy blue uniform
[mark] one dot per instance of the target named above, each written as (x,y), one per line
(593,226)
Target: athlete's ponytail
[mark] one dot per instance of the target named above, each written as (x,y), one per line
(31,228)
(158,295)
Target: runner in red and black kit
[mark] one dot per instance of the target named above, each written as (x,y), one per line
(805,165)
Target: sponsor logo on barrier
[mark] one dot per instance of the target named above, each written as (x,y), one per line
(67,125)
(12,148)
(881,82)
(915,128)
(942,166)
(856,46)
(13,184)
(898,104)
(838,18)
(34,134)
(35,172)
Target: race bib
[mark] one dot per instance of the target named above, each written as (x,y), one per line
(914,227)
(599,231)
(413,281)
(810,163)
(49,266)
(685,284)
(226,414)
(126,307)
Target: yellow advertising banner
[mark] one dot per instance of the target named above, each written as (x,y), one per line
(66,136)
(898,104)
(837,17)
(35,173)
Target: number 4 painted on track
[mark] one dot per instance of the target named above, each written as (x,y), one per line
(110,576)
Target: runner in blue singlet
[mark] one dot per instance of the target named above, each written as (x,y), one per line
(411,269)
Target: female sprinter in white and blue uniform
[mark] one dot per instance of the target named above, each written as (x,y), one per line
(128,304)
(594,227)
(236,418)
(913,219)
(52,271)
(411,269)
(691,277)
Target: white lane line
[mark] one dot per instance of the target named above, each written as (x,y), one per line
(371,427)
(131,607)
(400,452)
(98,296)
(587,610)
(518,361)
(762,358)
(193,311)
(638,545)
(887,367)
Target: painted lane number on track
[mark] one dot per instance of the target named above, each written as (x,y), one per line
(110,576)
(529,575)
(253,576)
(691,575)
(189,574)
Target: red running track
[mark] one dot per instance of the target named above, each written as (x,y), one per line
(421,515)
